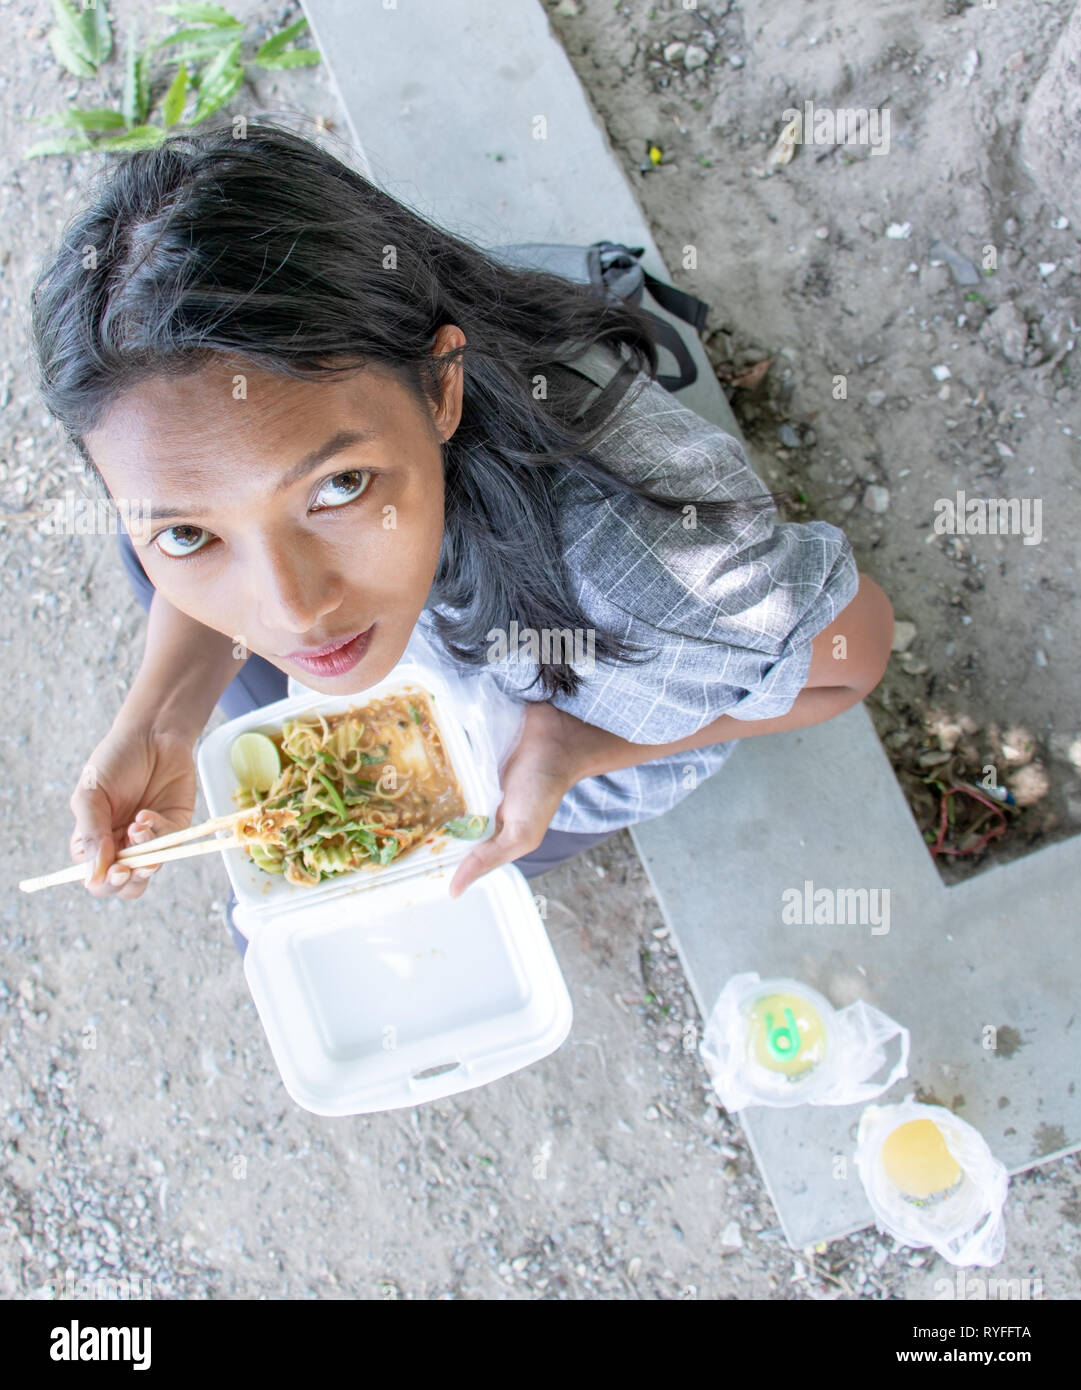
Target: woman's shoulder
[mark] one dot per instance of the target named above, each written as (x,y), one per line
(671,567)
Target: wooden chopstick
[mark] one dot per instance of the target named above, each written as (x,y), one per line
(155,851)
(137,860)
(193,832)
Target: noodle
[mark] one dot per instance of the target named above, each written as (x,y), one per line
(359,788)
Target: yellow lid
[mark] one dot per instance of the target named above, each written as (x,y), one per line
(917,1161)
(786,1034)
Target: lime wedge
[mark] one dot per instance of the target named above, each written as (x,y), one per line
(256,761)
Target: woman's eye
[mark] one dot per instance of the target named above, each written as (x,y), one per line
(182,540)
(342,488)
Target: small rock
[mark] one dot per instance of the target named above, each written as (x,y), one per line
(1004,450)
(569,9)
(871,222)
(1008,329)
(876,398)
(970,62)
(788,437)
(1029,784)
(880,1256)
(904,634)
(899,231)
(1060,224)
(961,268)
(912,665)
(822,233)
(673,52)
(934,757)
(1011,226)
(695,57)
(1047,268)
(941,372)
(732,1236)
(1015,61)
(1041,657)
(736,59)
(876,499)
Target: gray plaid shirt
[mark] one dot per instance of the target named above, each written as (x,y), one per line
(730,609)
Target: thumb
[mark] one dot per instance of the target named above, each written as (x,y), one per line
(92,838)
(510,842)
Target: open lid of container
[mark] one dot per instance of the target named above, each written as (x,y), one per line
(376,990)
(398,995)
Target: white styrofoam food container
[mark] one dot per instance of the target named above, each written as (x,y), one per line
(375,989)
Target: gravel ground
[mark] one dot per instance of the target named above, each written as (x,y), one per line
(147,1136)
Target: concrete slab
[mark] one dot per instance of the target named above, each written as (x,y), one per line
(984,962)
(472,115)
(443,98)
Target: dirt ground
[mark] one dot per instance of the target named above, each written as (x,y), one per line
(147,1136)
(826,268)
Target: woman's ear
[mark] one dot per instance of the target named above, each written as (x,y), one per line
(452,375)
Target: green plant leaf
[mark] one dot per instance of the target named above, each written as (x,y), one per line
(97,32)
(217,83)
(140,137)
(100,118)
(69,26)
(135,97)
(67,56)
(195,12)
(278,42)
(205,36)
(273,54)
(292,58)
(173,105)
(64,144)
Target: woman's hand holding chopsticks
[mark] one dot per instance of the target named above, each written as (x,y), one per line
(138,784)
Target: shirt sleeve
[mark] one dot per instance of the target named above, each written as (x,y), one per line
(729,608)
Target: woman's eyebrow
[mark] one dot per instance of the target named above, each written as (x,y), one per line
(344,439)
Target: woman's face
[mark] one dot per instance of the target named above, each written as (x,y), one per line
(270,522)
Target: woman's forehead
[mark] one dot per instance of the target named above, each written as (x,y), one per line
(233,409)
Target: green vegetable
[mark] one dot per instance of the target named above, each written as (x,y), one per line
(339,804)
(467,827)
(415,713)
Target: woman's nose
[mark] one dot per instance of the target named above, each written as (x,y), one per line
(294,589)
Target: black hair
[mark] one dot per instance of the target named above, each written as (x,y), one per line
(271,249)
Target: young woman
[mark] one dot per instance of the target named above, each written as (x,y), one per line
(348,422)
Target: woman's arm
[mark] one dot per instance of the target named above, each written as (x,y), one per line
(848,659)
(556,750)
(184,670)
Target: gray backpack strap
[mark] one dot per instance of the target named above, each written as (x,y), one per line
(613,270)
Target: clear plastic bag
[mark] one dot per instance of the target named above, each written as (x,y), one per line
(831,1056)
(964,1222)
(492,720)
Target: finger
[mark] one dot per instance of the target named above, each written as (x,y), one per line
(135,886)
(147,825)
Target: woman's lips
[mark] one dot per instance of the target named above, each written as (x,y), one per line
(338,660)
